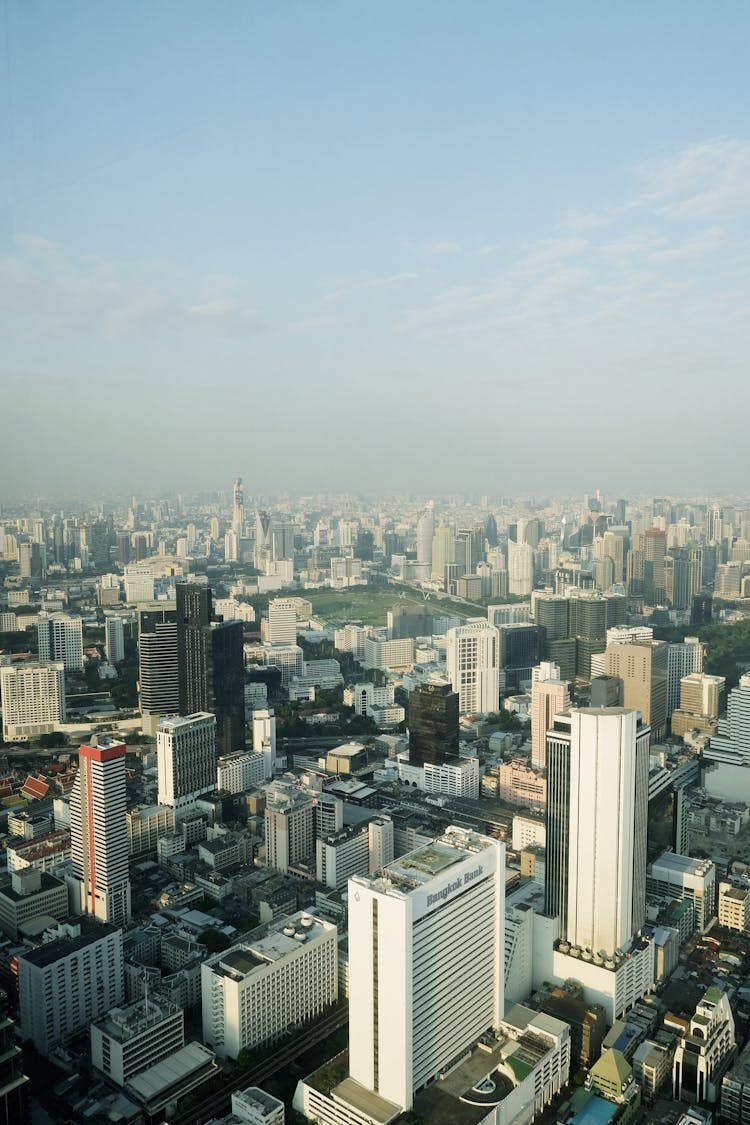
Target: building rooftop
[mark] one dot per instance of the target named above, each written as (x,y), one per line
(52,951)
(684,864)
(127,1022)
(290,934)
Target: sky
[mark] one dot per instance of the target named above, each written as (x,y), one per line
(489,247)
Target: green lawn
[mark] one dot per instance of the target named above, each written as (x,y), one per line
(370,604)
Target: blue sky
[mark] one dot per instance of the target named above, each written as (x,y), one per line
(490,247)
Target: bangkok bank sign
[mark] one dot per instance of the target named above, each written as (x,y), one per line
(455,885)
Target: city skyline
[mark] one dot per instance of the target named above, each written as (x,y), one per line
(286,219)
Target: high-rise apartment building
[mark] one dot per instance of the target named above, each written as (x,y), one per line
(419,995)
(114,640)
(433,723)
(98,831)
(642,666)
(61,638)
(33,698)
(289,826)
(597,809)
(472,657)
(210,665)
(549,697)
(158,688)
(520,569)
(186,760)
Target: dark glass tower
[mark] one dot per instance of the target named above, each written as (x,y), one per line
(210,665)
(433,724)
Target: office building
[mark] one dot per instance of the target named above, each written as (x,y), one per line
(597,760)
(519,655)
(158,690)
(282,621)
(520,569)
(139,583)
(359,849)
(549,697)
(67,983)
(61,638)
(700,703)
(472,658)
(186,761)
(417,999)
(114,640)
(706,1050)
(130,1039)
(33,698)
(433,723)
(264,738)
(255,991)
(236,773)
(642,667)
(384,655)
(733,907)
(31,894)
(210,665)
(680,877)
(730,746)
(98,832)
(682,660)
(289,826)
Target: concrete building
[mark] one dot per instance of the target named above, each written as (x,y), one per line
(734,907)
(158,689)
(236,773)
(520,569)
(31,893)
(114,640)
(67,983)
(642,667)
(735,1091)
(415,1005)
(289,826)
(130,1039)
(61,638)
(472,658)
(264,738)
(706,1050)
(98,831)
(681,877)
(186,761)
(549,697)
(33,698)
(255,991)
(457,777)
(359,849)
(282,621)
(384,655)
(682,660)
(145,824)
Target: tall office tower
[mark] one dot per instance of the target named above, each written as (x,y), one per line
(282,622)
(114,640)
(597,809)
(682,659)
(614,546)
(238,507)
(33,698)
(186,761)
(290,827)
(443,552)
(210,665)
(520,569)
(642,667)
(425,962)
(472,658)
(98,831)
(731,743)
(433,724)
(588,624)
(158,688)
(263,546)
(264,738)
(61,638)
(231,546)
(519,654)
(549,697)
(425,533)
(654,553)
(282,540)
(490,531)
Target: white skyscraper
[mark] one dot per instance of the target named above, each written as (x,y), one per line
(282,622)
(472,658)
(98,831)
(264,738)
(549,697)
(425,532)
(61,638)
(425,962)
(238,507)
(33,698)
(186,760)
(520,568)
(597,809)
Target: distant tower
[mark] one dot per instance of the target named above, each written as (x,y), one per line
(425,533)
(238,506)
(98,832)
(549,697)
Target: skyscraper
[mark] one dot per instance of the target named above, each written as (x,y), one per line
(425,962)
(472,657)
(158,688)
(433,723)
(61,638)
(597,808)
(98,831)
(238,507)
(642,667)
(186,760)
(210,665)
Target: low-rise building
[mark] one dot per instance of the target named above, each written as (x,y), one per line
(734,907)
(31,893)
(130,1039)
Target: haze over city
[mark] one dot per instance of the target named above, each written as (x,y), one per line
(498,242)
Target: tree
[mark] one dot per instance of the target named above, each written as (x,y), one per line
(214,940)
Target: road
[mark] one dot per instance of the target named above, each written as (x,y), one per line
(219,1103)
